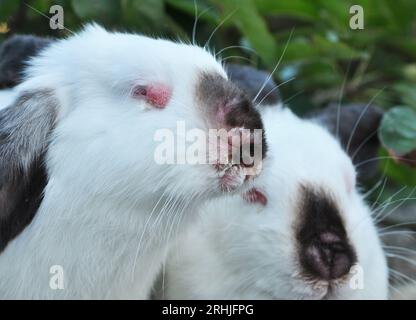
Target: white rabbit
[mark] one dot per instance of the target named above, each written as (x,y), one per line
(303,232)
(77,156)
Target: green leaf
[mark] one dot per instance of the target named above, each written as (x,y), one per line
(334,14)
(150,9)
(407,93)
(147,15)
(399,13)
(335,50)
(297,8)
(409,71)
(44,5)
(404,43)
(398,130)
(101,10)
(246,17)
(7,8)
(205,12)
(397,172)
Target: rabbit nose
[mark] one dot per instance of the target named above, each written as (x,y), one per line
(226,106)
(325,252)
(328,257)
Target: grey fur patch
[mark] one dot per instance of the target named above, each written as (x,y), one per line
(25,127)
(212,88)
(24,130)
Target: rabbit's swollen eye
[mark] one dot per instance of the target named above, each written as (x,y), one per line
(157,95)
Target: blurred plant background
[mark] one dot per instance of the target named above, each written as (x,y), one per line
(321,59)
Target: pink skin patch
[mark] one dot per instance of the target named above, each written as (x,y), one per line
(222,112)
(255,196)
(231,179)
(157,95)
(329,237)
(227,181)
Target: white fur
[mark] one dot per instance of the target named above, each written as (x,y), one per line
(108,210)
(7,97)
(246,251)
(405,292)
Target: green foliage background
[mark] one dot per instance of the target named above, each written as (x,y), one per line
(312,39)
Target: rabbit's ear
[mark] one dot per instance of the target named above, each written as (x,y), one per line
(15,52)
(25,128)
(356,126)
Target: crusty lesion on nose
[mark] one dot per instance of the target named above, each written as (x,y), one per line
(324,250)
(223,105)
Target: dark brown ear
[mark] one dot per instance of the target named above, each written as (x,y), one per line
(356,126)
(251,81)
(25,128)
(14,54)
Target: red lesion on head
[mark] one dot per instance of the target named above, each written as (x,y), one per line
(157,94)
(255,195)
